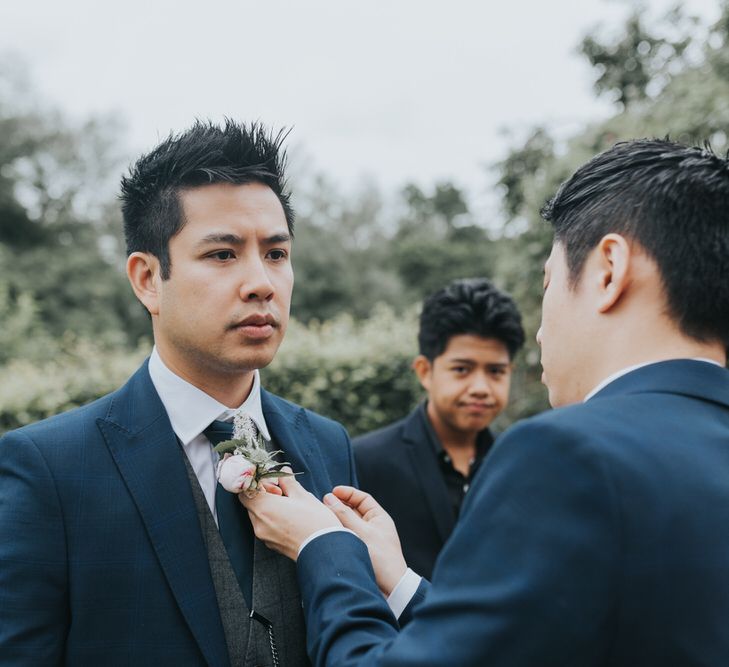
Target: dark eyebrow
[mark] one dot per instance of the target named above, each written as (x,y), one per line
(471,362)
(277,238)
(234,239)
(228,239)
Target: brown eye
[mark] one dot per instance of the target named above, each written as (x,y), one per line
(223,255)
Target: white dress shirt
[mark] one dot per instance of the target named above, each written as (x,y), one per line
(191,411)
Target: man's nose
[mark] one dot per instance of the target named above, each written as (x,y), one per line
(481,385)
(256,284)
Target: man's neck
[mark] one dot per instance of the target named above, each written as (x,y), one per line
(230,389)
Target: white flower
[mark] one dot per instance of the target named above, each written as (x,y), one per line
(236,473)
(244,428)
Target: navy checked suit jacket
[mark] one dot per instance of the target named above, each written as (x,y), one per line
(102,560)
(596,534)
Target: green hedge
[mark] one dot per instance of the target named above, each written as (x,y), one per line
(80,373)
(356,372)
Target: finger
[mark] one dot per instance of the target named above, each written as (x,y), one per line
(290,486)
(272,488)
(346,515)
(250,502)
(363,503)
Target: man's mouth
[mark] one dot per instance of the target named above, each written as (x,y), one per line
(256,326)
(479,407)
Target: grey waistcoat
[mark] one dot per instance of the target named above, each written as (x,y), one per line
(276,599)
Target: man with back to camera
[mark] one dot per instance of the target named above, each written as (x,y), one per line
(420,468)
(594,534)
(118,546)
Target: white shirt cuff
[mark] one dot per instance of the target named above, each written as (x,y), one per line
(401,595)
(403,592)
(324,531)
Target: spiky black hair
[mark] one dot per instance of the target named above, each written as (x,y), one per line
(204,154)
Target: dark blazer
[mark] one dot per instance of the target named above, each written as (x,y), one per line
(398,466)
(102,560)
(596,534)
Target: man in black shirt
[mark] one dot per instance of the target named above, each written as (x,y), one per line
(420,468)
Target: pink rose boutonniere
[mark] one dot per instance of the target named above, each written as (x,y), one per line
(245,462)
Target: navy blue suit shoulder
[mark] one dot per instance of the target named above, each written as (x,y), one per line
(381,437)
(593,535)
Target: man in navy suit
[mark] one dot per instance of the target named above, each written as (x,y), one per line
(113,548)
(421,467)
(595,534)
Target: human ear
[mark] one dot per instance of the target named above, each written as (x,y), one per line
(144,276)
(422,367)
(613,254)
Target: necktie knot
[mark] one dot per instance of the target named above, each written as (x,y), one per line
(218,431)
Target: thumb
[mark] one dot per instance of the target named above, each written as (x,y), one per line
(290,486)
(346,515)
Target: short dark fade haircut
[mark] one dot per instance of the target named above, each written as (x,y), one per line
(470,306)
(206,153)
(673,200)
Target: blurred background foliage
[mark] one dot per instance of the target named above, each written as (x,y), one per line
(71,329)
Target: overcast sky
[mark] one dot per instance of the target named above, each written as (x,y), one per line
(404,90)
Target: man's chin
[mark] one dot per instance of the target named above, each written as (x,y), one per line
(252,362)
(249,359)
(475,425)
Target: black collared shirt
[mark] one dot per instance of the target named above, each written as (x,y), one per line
(456,483)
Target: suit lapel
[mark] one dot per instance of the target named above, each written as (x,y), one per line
(293,434)
(429,477)
(140,438)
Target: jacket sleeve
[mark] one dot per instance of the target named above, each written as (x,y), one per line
(33,568)
(418,597)
(526,579)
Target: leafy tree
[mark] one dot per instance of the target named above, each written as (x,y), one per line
(341,254)
(522,163)
(57,223)
(691,105)
(437,241)
(628,66)
(436,213)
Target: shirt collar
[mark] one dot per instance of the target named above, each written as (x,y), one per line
(191,410)
(635,367)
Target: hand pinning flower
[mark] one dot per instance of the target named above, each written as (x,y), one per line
(246,463)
